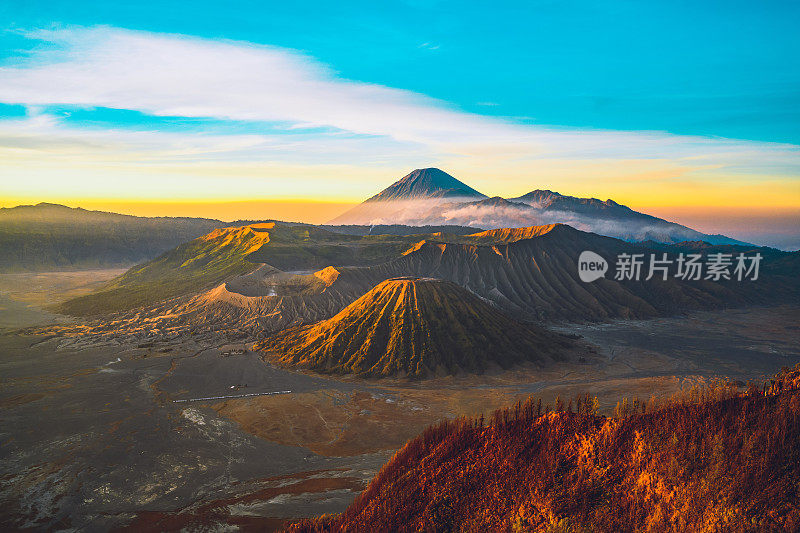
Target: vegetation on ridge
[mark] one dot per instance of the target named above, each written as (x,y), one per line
(724,461)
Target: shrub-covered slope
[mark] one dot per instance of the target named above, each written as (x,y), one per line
(729,462)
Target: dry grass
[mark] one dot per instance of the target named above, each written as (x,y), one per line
(715,459)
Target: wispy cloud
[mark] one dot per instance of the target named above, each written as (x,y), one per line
(364,124)
(429,46)
(43,158)
(171,75)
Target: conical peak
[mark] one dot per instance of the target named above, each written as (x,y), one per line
(426,183)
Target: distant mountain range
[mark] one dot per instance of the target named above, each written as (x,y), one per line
(262,279)
(53,237)
(431,196)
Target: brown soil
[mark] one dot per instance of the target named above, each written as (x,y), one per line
(20,399)
(337,423)
(218,511)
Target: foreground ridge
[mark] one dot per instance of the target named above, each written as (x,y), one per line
(725,461)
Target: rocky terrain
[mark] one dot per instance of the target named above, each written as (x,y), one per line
(529,272)
(413,327)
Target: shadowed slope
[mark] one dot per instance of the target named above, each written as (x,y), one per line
(412,327)
(534,271)
(55,237)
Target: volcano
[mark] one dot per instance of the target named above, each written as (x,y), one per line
(426,183)
(413,327)
(432,197)
(422,189)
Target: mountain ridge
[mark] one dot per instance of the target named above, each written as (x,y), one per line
(454,203)
(726,461)
(201,262)
(529,273)
(50,236)
(413,327)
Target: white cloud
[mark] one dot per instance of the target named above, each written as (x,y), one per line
(41,157)
(170,75)
(174,75)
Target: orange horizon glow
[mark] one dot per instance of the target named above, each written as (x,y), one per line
(288,210)
(730,220)
(706,218)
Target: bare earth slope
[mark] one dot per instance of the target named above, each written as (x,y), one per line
(413,327)
(199,263)
(528,272)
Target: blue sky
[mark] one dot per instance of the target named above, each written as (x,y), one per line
(677,108)
(730,69)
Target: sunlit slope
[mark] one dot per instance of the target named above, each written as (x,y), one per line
(190,267)
(534,271)
(224,253)
(730,462)
(414,327)
(530,272)
(508,235)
